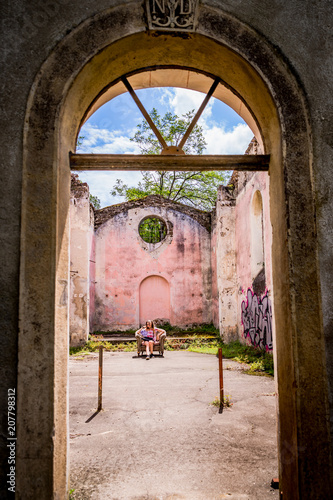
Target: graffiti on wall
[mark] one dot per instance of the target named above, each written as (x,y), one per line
(257,320)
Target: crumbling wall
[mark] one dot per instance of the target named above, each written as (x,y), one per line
(124,260)
(92,266)
(242,236)
(283,45)
(226,264)
(81,261)
(215,289)
(254,276)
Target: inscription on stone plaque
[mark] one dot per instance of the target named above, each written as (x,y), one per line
(172,15)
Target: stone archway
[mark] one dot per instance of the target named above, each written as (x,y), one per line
(113,43)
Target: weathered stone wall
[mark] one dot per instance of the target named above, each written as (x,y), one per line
(241,244)
(45,45)
(124,260)
(253,243)
(226,264)
(111,264)
(92,269)
(200,216)
(214,268)
(81,262)
(247,234)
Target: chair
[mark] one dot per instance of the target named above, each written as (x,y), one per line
(158,346)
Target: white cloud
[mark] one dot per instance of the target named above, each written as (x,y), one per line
(219,139)
(184,100)
(98,140)
(103,141)
(165,96)
(101,183)
(222,142)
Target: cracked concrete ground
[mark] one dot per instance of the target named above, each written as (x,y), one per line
(159,438)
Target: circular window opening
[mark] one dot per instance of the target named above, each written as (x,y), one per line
(152,230)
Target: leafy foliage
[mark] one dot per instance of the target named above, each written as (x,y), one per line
(93,346)
(152,230)
(257,359)
(197,189)
(172,128)
(227,401)
(79,142)
(96,202)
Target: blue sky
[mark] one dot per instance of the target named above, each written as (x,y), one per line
(109,130)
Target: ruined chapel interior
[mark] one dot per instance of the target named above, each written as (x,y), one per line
(271,61)
(206,268)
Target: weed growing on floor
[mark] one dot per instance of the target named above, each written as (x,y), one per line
(205,349)
(255,361)
(259,361)
(227,402)
(93,346)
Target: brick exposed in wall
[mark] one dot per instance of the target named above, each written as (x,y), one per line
(104,214)
(239,180)
(78,189)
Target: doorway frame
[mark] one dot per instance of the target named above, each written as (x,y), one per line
(143,318)
(58,100)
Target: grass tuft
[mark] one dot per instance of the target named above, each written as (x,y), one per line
(227,402)
(93,346)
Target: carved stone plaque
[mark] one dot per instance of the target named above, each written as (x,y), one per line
(172,15)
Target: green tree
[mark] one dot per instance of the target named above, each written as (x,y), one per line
(172,128)
(198,189)
(96,202)
(79,142)
(152,230)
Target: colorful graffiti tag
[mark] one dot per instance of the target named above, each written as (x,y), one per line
(257,320)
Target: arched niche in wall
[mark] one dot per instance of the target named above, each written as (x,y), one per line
(154,299)
(257,244)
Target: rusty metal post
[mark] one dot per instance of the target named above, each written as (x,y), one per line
(100,376)
(221,380)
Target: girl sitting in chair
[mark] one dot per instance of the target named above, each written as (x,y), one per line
(150,335)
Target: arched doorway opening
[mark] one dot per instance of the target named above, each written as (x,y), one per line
(154,299)
(257,235)
(100,50)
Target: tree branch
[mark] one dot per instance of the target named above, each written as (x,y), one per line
(172,183)
(184,180)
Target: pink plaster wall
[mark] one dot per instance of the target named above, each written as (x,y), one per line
(81,231)
(123,262)
(259,181)
(215,302)
(92,274)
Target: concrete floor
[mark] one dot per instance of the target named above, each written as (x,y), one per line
(158,437)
